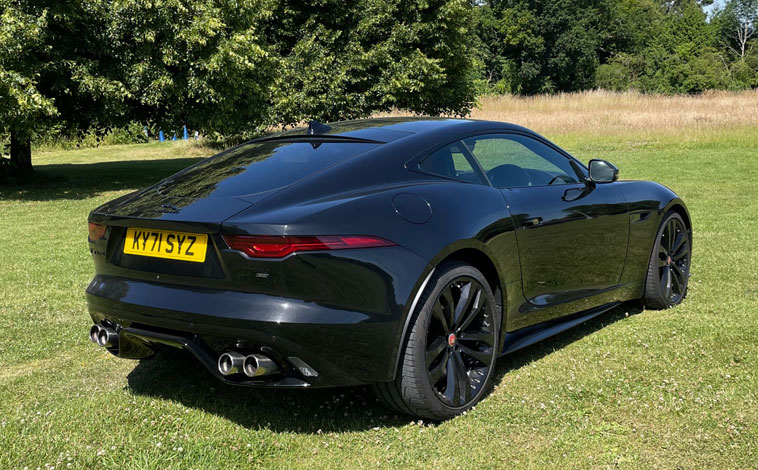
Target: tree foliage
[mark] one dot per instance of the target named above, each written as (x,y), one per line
(240,66)
(340,60)
(227,66)
(55,70)
(655,46)
(204,63)
(545,46)
(21,101)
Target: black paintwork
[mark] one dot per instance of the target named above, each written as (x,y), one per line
(554,254)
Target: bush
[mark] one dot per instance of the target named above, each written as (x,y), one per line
(56,138)
(612,76)
(745,74)
(133,133)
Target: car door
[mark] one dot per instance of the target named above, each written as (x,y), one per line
(572,237)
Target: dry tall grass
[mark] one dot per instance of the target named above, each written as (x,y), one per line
(608,113)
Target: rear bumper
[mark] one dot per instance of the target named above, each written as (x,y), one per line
(344,347)
(138,342)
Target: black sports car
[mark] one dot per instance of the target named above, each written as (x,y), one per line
(403,253)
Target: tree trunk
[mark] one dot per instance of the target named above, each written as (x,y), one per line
(21,154)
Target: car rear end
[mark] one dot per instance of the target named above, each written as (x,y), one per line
(280,308)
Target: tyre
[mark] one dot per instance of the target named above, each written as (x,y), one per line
(669,268)
(448,356)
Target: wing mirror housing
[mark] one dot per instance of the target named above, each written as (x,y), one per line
(602,171)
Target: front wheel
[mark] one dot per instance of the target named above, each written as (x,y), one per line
(449,354)
(669,269)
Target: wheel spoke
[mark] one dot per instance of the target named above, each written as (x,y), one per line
(450,385)
(480,336)
(434,350)
(666,282)
(677,270)
(683,251)
(449,305)
(677,283)
(473,312)
(670,231)
(678,240)
(463,384)
(482,356)
(439,314)
(464,301)
(438,371)
(679,278)
(662,250)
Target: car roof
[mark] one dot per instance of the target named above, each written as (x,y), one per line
(389,129)
(399,139)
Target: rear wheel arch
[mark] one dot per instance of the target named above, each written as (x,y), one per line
(409,391)
(471,255)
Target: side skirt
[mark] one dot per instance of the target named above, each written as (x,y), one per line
(533,334)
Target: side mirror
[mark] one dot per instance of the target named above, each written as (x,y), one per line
(602,171)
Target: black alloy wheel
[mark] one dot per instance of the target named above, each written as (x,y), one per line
(459,342)
(448,360)
(669,270)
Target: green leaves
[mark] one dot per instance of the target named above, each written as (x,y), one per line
(346,60)
(546,46)
(228,67)
(20,99)
(533,46)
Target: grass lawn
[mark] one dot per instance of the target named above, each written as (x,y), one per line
(656,389)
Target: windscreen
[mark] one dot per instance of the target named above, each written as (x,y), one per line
(259,167)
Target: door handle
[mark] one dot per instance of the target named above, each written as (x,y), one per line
(532,222)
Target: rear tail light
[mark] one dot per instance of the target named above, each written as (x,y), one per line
(96,231)
(265,246)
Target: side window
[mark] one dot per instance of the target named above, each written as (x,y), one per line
(512,161)
(451,162)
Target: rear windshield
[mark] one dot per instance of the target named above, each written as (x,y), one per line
(259,167)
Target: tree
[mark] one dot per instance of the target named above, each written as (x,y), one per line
(226,66)
(55,69)
(21,102)
(672,6)
(205,63)
(546,46)
(739,20)
(238,67)
(675,50)
(342,60)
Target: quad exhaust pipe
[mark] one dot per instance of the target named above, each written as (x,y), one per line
(257,365)
(104,336)
(229,363)
(252,365)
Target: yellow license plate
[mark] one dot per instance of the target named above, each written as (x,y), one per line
(165,244)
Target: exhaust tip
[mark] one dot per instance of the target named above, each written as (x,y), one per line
(256,365)
(93,333)
(230,363)
(107,337)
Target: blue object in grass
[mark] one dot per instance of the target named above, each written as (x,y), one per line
(185,133)
(161,137)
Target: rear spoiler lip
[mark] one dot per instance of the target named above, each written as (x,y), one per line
(316,138)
